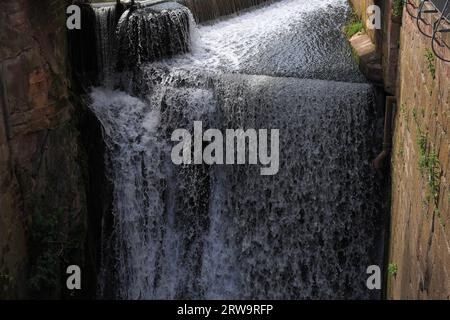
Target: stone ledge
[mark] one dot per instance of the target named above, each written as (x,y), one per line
(368,59)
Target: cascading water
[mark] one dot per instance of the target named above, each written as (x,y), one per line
(210,10)
(225,231)
(152,33)
(105,17)
(140,34)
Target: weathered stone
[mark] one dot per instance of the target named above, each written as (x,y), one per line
(368,58)
(420,226)
(40,171)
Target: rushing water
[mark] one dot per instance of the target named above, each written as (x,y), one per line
(105,31)
(225,231)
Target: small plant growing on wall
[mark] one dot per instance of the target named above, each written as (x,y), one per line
(397,8)
(353,26)
(430,168)
(431,63)
(392,269)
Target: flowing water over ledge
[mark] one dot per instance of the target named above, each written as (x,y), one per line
(226,231)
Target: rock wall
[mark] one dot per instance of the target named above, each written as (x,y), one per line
(42,198)
(420,231)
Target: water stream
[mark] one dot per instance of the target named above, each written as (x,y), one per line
(225,231)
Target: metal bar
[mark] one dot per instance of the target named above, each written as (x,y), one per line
(440,5)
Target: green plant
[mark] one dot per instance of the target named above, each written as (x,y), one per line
(404,112)
(397,8)
(431,62)
(353,28)
(430,167)
(434,176)
(422,144)
(414,114)
(401,152)
(392,269)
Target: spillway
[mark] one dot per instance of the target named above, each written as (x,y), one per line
(225,231)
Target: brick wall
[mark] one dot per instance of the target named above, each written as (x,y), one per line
(420,226)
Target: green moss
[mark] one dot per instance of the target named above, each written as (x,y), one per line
(397,8)
(353,27)
(431,63)
(401,152)
(392,269)
(433,171)
(356,57)
(414,114)
(430,168)
(404,112)
(422,144)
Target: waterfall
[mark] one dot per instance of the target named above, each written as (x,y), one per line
(225,231)
(147,33)
(153,32)
(211,10)
(105,26)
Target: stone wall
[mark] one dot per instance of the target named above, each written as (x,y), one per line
(385,40)
(419,246)
(42,198)
(420,227)
(360,8)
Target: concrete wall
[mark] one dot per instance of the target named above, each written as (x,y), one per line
(420,232)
